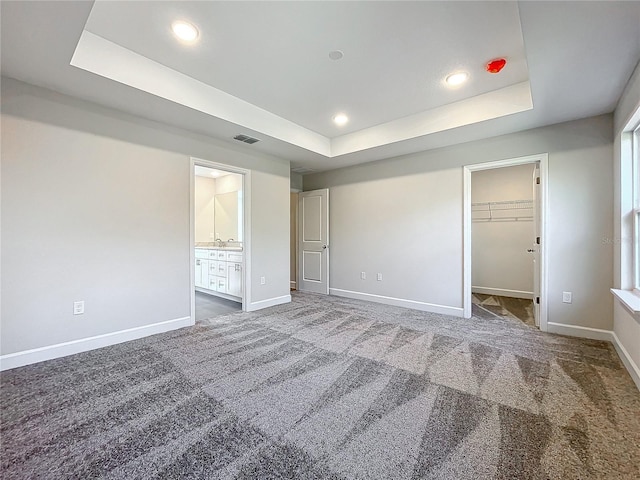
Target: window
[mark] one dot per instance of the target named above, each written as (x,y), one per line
(627,245)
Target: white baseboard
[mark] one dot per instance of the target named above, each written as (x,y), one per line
(631,366)
(502,292)
(213,293)
(399,302)
(598,334)
(270,302)
(581,332)
(27,357)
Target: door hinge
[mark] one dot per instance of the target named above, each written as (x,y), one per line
(538,240)
(537,180)
(538,300)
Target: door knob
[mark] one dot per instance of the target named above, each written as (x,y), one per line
(530,250)
(324,247)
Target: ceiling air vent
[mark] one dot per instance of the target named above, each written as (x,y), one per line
(246,139)
(302,170)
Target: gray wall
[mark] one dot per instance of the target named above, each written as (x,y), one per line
(296,181)
(403,217)
(95,207)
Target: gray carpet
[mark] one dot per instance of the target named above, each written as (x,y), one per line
(328,388)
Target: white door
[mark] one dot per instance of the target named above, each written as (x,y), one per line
(535,249)
(313,241)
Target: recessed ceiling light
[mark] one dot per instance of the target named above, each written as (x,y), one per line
(336,55)
(340,119)
(456,79)
(184,31)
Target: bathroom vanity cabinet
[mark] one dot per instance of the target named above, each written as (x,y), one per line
(219,272)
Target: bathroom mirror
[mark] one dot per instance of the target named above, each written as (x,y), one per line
(228,216)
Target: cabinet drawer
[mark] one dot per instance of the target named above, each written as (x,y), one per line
(213,283)
(213,254)
(201,253)
(221,268)
(213,267)
(221,285)
(234,257)
(222,255)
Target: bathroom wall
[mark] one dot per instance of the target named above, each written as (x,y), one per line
(228,183)
(205,190)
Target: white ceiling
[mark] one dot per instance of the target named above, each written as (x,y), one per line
(262,68)
(208,172)
(275,55)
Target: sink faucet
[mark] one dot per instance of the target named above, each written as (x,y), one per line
(230,240)
(219,240)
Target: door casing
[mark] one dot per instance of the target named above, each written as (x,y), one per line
(246,241)
(543,160)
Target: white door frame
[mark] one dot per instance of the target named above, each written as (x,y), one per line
(543,159)
(296,282)
(246,240)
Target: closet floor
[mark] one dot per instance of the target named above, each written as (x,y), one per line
(488,306)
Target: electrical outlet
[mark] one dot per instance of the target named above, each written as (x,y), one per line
(566,297)
(379,277)
(263,280)
(363,275)
(78,307)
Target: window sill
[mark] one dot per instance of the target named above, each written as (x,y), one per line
(629,299)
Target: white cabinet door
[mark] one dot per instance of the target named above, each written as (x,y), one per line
(213,267)
(204,274)
(198,273)
(221,285)
(234,279)
(222,269)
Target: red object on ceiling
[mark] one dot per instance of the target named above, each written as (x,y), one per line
(494,66)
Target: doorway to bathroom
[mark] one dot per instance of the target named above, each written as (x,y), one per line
(219,253)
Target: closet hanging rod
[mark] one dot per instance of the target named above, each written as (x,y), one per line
(510,210)
(508,204)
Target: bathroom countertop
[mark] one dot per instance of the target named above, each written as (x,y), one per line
(210,246)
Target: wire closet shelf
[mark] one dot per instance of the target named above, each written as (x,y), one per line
(509,211)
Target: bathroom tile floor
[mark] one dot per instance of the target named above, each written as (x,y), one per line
(208,306)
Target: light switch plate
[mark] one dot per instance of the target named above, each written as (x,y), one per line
(78,307)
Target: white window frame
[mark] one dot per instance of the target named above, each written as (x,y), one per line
(635,235)
(627,289)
